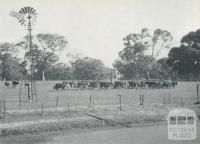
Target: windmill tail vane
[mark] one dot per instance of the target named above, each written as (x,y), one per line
(16,15)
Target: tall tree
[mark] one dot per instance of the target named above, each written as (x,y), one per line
(141,51)
(45,52)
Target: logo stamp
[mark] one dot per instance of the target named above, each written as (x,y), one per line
(182,124)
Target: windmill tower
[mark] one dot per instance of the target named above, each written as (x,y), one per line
(27,18)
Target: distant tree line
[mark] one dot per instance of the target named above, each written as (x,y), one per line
(45,57)
(139,59)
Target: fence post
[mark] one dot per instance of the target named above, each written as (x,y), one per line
(164,101)
(42,109)
(57,101)
(20,96)
(90,100)
(0,108)
(141,99)
(182,101)
(4,108)
(120,102)
(29,98)
(198,100)
(68,108)
(20,101)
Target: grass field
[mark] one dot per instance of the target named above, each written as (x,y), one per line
(185,93)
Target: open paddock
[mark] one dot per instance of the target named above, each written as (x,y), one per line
(184,94)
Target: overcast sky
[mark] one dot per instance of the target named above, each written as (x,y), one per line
(95,28)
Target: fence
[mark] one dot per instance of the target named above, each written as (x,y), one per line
(90,102)
(77,99)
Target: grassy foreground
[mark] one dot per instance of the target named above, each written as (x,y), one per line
(61,119)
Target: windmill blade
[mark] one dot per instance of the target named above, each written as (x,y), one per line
(34,12)
(26,9)
(22,21)
(22,10)
(16,14)
(31,10)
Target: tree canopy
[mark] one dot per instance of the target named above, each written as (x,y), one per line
(10,67)
(45,51)
(87,69)
(185,59)
(138,58)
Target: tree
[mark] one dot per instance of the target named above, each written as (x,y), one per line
(9,63)
(59,71)
(126,64)
(45,51)
(141,51)
(165,71)
(87,69)
(185,59)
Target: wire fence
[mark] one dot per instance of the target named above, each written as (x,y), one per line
(93,99)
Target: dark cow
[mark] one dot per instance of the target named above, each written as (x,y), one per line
(7,84)
(15,83)
(105,84)
(142,84)
(80,85)
(132,84)
(93,84)
(26,84)
(119,84)
(166,84)
(58,86)
(174,83)
(154,84)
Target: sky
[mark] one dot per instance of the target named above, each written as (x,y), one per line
(95,28)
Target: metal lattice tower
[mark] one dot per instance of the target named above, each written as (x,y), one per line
(27,18)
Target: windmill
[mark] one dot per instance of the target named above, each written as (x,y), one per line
(27,18)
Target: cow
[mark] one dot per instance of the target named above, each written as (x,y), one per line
(105,84)
(154,84)
(15,83)
(26,84)
(166,84)
(119,84)
(142,84)
(174,83)
(93,84)
(7,84)
(132,84)
(58,86)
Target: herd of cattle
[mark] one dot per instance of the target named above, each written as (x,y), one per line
(151,84)
(129,84)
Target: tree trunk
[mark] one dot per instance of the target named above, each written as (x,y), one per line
(148,75)
(43,77)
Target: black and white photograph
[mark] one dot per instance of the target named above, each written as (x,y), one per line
(99,71)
